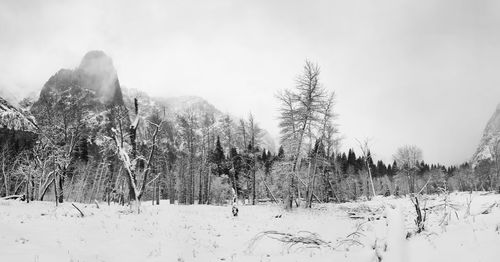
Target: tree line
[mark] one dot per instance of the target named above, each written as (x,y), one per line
(85,150)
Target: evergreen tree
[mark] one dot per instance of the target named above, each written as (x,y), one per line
(217,157)
(281,153)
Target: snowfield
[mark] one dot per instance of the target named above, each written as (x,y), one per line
(373,230)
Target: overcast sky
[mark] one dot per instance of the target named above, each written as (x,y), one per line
(423,72)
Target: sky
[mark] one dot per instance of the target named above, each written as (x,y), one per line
(423,73)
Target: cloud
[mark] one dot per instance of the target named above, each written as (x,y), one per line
(405,72)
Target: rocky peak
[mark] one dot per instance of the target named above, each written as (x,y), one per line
(95,74)
(490,136)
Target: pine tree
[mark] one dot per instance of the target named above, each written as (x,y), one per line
(218,157)
(281,153)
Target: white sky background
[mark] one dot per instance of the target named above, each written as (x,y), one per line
(420,72)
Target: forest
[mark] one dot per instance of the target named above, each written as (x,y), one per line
(84,150)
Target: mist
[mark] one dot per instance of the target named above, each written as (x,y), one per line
(410,72)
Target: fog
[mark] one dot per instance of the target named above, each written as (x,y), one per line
(404,72)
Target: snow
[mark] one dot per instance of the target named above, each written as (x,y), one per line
(12,118)
(40,231)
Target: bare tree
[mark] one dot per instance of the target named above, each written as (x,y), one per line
(365,150)
(4,157)
(227,132)
(408,158)
(243,133)
(299,111)
(128,156)
(255,133)
(188,130)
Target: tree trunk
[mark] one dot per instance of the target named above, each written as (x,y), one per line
(55,189)
(61,189)
(5,177)
(200,200)
(209,184)
(171,188)
(254,191)
(28,189)
(158,192)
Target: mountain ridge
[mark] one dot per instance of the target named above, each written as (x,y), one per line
(489,139)
(179,104)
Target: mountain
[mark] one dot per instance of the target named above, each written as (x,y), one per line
(13,119)
(170,105)
(177,105)
(17,129)
(95,80)
(93,86)
(491,136)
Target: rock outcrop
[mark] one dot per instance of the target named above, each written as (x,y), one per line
(490,138)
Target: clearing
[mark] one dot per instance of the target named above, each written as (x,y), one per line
(459,227)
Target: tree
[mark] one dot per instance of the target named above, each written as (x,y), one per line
(218,156)
(227,131)
(208,122)
(255,136)
(365,150)
(407,159)
(495,158)
(325,129)
(65,119)
(281,153)
(188,131)
(128,155)
(243,134)
(299,112)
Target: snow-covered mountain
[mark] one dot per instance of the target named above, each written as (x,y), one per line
(13,119)
(177,105)
(491,135)
(171,105)
(94,84)
(95,78)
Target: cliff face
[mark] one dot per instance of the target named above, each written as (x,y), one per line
(491,135)
(95,79)
(13,119)
(17,130)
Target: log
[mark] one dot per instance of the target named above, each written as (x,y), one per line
(14,197)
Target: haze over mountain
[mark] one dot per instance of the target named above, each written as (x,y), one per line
(405,72)
(172,106)
(94,85)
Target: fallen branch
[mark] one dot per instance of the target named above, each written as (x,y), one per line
(364,212)
(13,197)
(81,213)
(352,239)
(488,209)
(304,238)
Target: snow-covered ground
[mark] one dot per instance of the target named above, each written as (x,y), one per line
(39,231)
